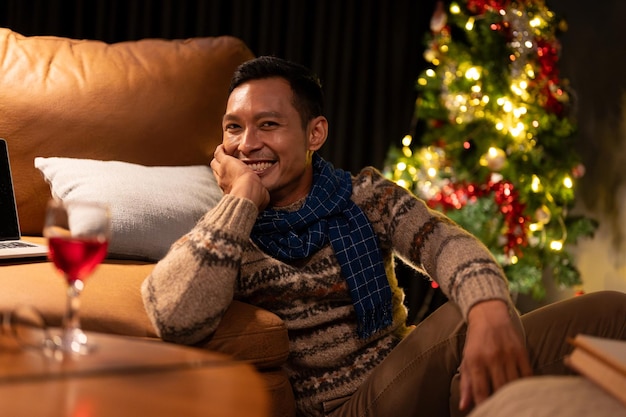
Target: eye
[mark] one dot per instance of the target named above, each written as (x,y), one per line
(268,124)
(231,127)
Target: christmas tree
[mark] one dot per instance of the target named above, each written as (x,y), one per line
(494,132)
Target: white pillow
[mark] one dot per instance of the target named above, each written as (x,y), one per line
(151,207)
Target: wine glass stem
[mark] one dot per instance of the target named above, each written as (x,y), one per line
(72,318)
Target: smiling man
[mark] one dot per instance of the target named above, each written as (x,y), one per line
(316,246)
(272,143)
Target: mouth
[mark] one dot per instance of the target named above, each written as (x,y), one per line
(260,166)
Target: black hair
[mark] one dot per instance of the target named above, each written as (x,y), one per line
(308,97)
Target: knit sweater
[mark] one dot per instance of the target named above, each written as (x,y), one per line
(216,262)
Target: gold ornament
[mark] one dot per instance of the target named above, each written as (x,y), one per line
(543,215)
(494,159)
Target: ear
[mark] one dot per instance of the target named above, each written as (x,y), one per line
(318,132)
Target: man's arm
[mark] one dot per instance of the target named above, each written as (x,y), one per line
(188,291)
(494,351)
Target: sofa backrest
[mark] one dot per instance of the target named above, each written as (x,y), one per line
(151,102)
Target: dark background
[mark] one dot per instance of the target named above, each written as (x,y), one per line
(368,54)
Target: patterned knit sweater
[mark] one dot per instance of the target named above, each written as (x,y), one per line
(216,262)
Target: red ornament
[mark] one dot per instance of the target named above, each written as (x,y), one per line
(547,78)
(437,123)
(515,220)
(456,196)
(578,171)
(481,7)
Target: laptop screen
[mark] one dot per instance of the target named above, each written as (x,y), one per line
(9,227)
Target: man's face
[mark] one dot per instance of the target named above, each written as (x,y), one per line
(263,129)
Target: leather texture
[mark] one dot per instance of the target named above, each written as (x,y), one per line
(150,102)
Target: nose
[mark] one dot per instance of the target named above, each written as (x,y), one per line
(249,141)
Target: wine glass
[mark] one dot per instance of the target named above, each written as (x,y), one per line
(78,233)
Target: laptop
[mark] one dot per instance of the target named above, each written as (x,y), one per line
(11,244)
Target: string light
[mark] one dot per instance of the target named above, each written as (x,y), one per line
(472,74)
(567,182)
(402,183)
(535,184)
(556,245)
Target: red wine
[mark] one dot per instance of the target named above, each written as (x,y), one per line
(75,257)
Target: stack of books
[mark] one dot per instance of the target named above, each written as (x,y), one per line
(601,360)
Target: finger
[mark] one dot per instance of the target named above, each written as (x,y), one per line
(516,367)
(500,375)
(512,372)
(481,386)
(215,167)
(466,392)
(219,150)
(228,151)
(519,366)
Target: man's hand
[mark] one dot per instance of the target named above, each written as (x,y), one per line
(494,352)
(236,178)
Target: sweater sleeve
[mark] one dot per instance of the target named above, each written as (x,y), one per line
(189,290)
(431,242)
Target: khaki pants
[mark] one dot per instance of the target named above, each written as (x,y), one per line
(419,377)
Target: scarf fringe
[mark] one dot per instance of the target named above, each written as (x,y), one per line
(375,320)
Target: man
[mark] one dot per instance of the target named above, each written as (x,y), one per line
(315,245)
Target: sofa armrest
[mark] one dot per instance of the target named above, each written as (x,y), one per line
(111,303)
(251,334)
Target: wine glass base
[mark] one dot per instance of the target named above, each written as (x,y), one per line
(74,341)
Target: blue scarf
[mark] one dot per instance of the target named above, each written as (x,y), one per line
(328,213)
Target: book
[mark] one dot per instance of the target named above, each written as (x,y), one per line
(601,360)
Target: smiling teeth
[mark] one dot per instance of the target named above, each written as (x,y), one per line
(260,166)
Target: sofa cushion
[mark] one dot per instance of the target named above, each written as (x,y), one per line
(550,396)
(150,102)
(151,207)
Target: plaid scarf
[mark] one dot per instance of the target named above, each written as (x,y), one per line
(328,213)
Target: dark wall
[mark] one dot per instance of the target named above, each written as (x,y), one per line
(367,53)
(594,61)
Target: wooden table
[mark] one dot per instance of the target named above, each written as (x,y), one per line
(128,376)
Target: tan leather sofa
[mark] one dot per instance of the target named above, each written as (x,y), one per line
(150,102)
